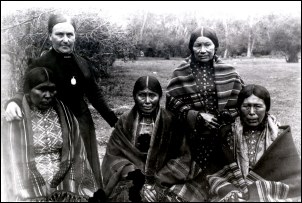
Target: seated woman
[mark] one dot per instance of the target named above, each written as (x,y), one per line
(146,153)
(262,161)
(44,157)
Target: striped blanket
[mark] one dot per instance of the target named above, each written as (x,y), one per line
(166,163)
(183,94)
(275,177)
(73,182)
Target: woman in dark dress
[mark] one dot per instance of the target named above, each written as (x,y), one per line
(74,79)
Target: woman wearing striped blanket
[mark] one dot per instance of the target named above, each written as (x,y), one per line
(202,94)
(43,157)
(146,154)
(262,161)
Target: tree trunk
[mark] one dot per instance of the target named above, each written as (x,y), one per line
(225,24)
(225,55)
(292,57)
(250,38)
(143,27)
(249,45)
(252,46)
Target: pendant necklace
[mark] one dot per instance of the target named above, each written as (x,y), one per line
(73,81)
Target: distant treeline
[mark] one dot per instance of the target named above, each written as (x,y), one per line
(168,35)
(24,36)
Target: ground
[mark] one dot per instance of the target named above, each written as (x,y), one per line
(283,81)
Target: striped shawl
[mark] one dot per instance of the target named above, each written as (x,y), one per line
(183,94)
(165,161)
(275,177)
(73,182)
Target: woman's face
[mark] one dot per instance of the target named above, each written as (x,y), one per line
(253,110)
(63,37)
(204,49)
(147,101)
(42,95)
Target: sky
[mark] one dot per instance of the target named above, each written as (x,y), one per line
(119,10)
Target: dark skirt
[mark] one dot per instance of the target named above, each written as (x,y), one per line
(206,151)
(87,132)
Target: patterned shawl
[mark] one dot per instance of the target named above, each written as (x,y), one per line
(164,160)
(74,181)
(269,133)
(183,95)
(275,177)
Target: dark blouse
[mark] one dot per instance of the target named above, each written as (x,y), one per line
(70,82)
(204,78)
(75,78)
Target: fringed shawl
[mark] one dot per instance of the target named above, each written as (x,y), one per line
(275,177)
(164,160)
(75,175)
(183,94)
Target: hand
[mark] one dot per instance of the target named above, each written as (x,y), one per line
(149,193)
(210,121)
(13,112)
(235,196)
(225,117)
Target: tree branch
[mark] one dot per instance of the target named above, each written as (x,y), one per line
(27,21)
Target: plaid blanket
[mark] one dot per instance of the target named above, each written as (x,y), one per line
(168,160)
(275,177)
(183,94)
(74,180)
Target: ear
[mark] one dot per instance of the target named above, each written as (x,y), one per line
(50,38)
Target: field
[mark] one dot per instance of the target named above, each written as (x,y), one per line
(283,81)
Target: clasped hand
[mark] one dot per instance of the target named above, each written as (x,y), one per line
(210,121)
(149,193)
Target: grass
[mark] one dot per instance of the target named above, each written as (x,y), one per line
(283,81)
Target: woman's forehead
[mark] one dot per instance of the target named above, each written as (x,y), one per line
(203,39)
(253,99)
(63,27)
(146,90)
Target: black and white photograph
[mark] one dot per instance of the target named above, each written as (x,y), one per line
(150,101)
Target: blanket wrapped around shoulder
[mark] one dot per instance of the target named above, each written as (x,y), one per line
(275,177)
(165,161)
(183,94)
(73,182)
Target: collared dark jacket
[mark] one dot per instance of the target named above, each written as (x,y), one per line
(74,78)
(86,83)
